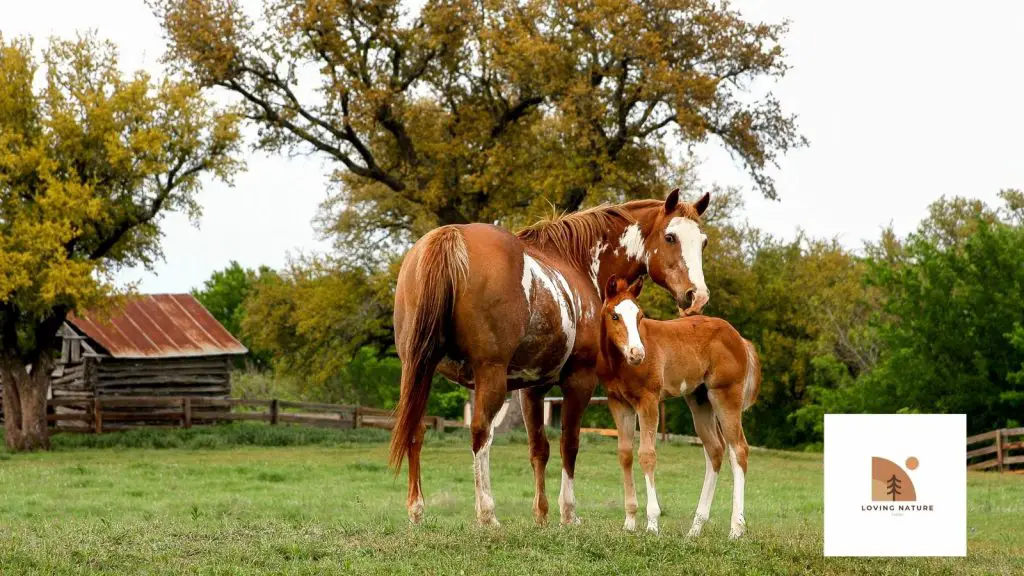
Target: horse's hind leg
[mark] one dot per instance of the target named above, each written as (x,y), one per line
(415,501)
(533,415)
(729,409)
(576,390)
(714,446)
(625,424)
(489,395)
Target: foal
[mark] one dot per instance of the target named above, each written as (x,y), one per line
(701,358)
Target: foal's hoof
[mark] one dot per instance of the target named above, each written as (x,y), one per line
(652,526)
(490,521)
(416,514)
(737,532)
(630,524)
(572,520)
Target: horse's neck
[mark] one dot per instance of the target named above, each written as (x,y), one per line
(622,252)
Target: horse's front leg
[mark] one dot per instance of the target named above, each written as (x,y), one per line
(576,391)
(489,395)
(532,400)
(647,410)
(625,424)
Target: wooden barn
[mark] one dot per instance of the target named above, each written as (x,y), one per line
(151,345)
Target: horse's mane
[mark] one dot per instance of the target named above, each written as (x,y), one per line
(574,235)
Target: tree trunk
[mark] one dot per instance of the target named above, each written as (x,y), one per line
(25,424)
(514,417)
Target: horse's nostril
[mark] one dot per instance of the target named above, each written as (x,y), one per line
(688,297)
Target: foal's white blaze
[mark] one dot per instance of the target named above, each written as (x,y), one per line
(707,494)
(738,481)
(691,245)
(482,478)
(630,314)
(567,500)
(632,240)
(653,510)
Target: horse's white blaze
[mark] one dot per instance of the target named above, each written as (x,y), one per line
(632,240)
(653,510)
(691,245)
(630,314)
(561,294)
(707,494)
(595,263)
(567,500)
(738,482)
(482,482)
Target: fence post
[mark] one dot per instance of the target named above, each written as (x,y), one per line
(186,408)
(357,416)
(439,423)
(664,426)
(275,410)
(97,415)
(999,449)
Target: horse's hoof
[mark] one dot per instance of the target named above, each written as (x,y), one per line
(573,520)
(490,521)
(652,526)
(737,532)
(630,525)
(541,519)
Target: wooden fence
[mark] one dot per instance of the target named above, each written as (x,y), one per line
(109,413)
(999,443)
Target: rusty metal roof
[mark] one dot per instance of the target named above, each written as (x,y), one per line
(158,326)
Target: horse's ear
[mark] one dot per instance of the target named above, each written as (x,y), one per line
(612,288)
(672,201)
(637,287)
(702,204)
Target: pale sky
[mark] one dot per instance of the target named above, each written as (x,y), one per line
(903,102)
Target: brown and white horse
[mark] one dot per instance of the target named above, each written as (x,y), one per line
(497,312)
(703,359)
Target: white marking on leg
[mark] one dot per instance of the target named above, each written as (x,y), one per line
(482,475)
(632,240)
(567,500)
(653,510)
(738,481)
(707,495)
(416,510)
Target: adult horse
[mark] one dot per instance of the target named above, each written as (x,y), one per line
(497,312)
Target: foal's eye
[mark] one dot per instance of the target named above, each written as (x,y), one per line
(670,238)
(615,316)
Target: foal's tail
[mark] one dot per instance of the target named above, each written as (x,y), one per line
(752,379)
(442,267)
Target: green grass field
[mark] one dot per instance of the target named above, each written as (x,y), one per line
(333,508)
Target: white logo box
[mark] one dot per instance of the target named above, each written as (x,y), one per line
(934,523)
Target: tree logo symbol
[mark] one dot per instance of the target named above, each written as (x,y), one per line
(890,482)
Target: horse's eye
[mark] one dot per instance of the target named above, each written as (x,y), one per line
(670,238)
(615,316)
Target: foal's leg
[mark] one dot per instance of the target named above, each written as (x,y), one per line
(532,400)
(489,395)
(625,424)
(648,412)
(714,445)
(576,391)
(415,501)
(728,410)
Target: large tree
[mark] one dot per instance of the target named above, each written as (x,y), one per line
(483,110)
(89,162)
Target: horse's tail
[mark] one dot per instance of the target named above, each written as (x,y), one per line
(442,267)
(752,379)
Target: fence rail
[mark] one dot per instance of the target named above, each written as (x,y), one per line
(108,413)
(1008,452)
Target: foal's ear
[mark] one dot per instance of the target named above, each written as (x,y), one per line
(702,204)
(672,201)
(612,288)
(637,287)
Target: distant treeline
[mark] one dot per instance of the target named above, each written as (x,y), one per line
(933,322)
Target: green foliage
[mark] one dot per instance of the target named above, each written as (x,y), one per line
(224,295)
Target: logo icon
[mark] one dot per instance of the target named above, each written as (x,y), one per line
(890,482)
